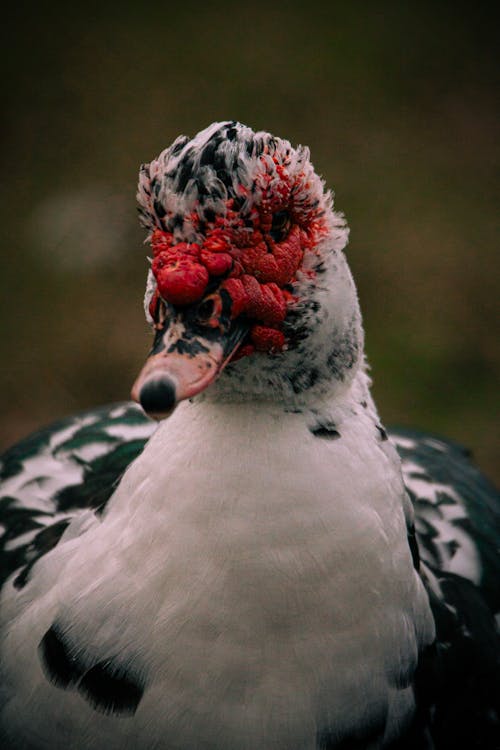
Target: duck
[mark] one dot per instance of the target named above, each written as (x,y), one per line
(243,556)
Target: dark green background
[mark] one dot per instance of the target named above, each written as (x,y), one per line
(396,101)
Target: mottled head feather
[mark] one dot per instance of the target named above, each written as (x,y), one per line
(230,173)
(222,162)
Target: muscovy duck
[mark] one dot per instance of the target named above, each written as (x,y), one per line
(262,569)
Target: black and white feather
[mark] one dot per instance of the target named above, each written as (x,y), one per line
(267,568)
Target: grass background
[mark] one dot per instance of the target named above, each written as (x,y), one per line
(398,104)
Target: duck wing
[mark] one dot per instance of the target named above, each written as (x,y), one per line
(457,528)
(67,469)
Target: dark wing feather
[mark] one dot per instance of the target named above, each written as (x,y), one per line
(457,510)
(68,468)
(457,521)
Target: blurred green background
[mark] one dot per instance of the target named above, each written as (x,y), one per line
(398,104)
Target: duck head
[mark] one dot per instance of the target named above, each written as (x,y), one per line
(249,294)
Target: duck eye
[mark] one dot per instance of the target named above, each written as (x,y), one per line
(280,225)
(205,309)
(209,311)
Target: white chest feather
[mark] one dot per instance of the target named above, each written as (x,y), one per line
(254,579)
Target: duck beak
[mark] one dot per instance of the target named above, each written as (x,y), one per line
(183,362)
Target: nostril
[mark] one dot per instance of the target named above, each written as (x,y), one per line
(157,397)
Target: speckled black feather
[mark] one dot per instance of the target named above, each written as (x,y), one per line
(458,679)
(98,478)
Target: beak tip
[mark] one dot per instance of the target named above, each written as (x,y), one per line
(157,396)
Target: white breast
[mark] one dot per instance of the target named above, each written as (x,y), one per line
(257,577)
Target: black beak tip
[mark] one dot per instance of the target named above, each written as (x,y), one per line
(158,397)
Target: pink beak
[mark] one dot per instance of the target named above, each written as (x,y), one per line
(181,366)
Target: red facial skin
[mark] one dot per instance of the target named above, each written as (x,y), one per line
(180,276)
(255,267)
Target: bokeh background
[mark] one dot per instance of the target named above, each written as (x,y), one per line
(397,101)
